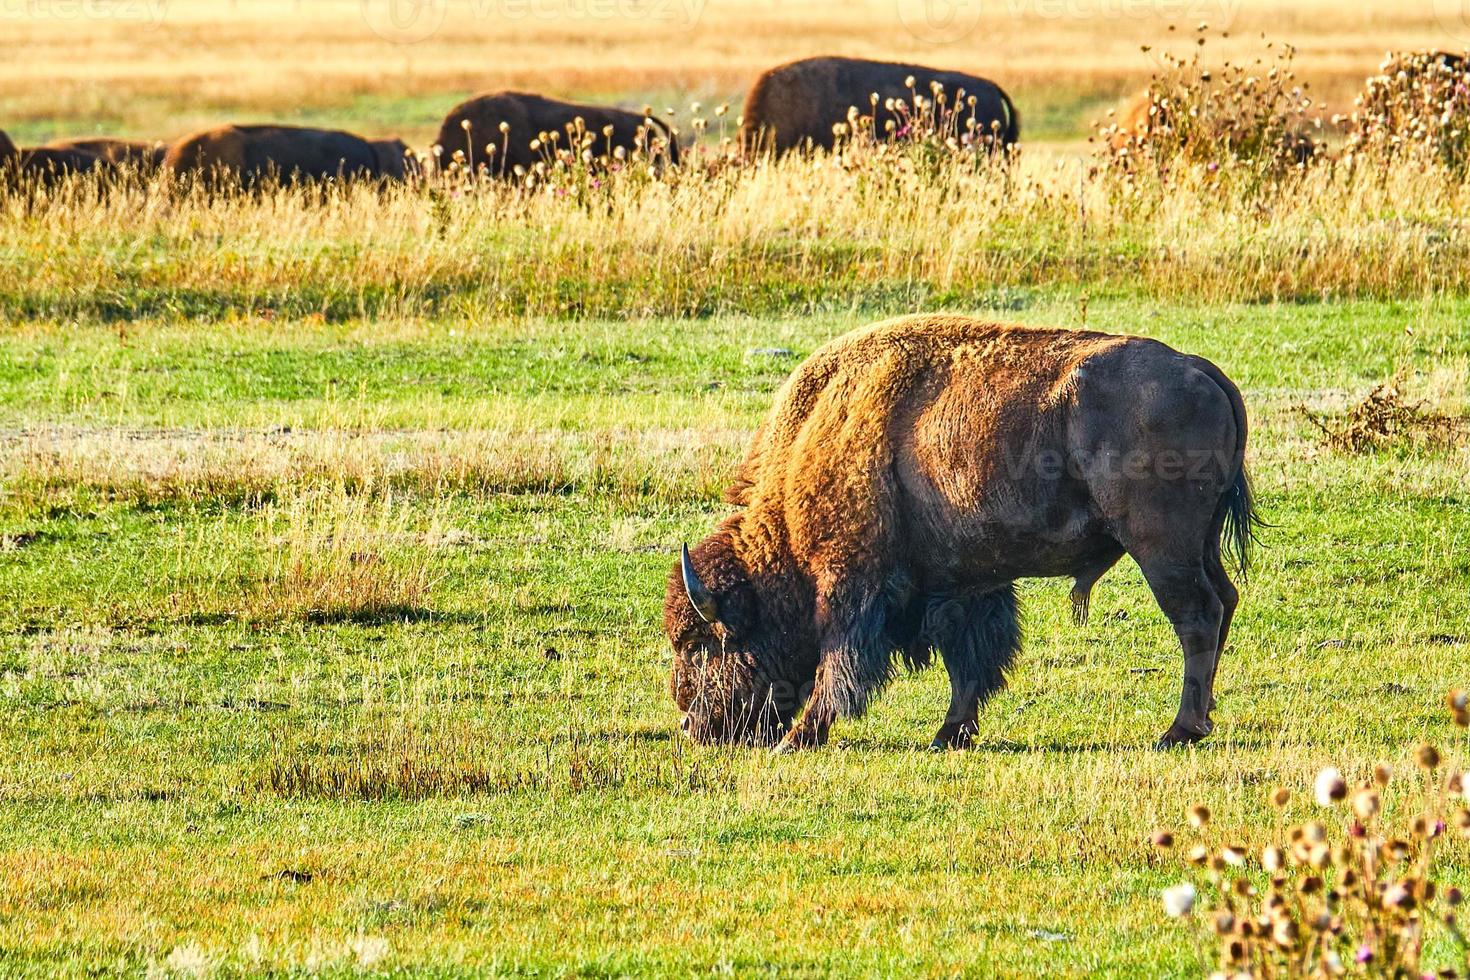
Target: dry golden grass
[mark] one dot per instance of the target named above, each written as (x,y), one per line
(335,557)
(154,467)
(163,70)
(899,230)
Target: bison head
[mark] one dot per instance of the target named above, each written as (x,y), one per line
(733,676)
(394,159)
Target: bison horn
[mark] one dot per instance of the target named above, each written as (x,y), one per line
(700,598)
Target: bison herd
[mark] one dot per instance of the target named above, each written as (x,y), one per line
(807,104)
(908,473)
(803,104)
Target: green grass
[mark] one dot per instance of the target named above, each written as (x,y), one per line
(489,779)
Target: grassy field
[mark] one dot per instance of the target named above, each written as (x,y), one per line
(334,527)
(470,761)
(159,70)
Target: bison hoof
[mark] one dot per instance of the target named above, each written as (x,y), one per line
(950,737)
(799,740)
(1179,735)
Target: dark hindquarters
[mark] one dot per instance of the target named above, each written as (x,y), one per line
(978,638)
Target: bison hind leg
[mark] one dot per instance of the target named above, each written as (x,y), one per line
(978,638)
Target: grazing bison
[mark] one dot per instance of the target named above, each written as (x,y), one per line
(797,105)
(41,165)
(510,121)
(1147,113)
(140,156)
(908,474)
(246,155)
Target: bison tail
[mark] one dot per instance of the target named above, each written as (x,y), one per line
(1013,120)
(1238,530)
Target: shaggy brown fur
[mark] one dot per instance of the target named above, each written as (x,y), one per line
(140,156)
(796,105)
(245,155)
(7,148)
(909,473)
(530,117)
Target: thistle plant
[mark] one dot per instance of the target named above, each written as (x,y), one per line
(1342,893)
(1256,115)
(1417,108)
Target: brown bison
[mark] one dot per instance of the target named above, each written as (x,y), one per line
(1147,113)
(494,132)
(246,155)
(140,156)
(41,165)
(800,104)
(908,474)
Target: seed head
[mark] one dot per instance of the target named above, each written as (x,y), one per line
(1199,816)
(464,124)
(1280,796)
(1428,756)
(1329,787)
(1366,804)
(1163,839)
(1285,933)
(1179,900)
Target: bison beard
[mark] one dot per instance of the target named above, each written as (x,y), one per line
(902,483)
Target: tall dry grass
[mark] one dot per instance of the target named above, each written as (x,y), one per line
(262,469)
(900,232)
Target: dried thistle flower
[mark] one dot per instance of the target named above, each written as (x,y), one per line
(1329,787)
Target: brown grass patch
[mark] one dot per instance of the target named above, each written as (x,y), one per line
(344,558)
(1386,418)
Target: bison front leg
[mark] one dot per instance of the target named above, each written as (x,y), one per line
(853,667)
(978,637)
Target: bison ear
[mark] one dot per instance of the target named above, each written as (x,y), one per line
(701,598)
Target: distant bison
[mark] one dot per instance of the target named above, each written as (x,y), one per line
(248,154)
(1148,118)
(41,165)
(494,132)
(798,105)
(908,474)
(141,156)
